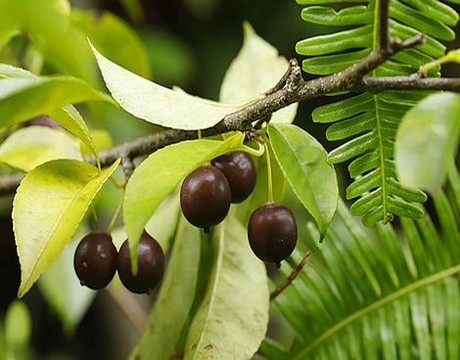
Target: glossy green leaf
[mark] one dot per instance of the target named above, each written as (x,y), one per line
(159,174)
(427,141)
(233,316)
(175,298)
(257,68)
(157,104)
(43,95)
(49,205)
(22,98)
(61,288)
(29,147)
(304,162)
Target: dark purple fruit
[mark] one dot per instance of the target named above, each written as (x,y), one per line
(205,197)
(95,260)
(272,232)
(151,263)
(240,171)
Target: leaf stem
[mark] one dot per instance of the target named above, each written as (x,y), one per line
(269,171)
(115,215)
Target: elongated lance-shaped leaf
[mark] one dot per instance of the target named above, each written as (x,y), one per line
(49,205)
(304,162)
(157,104)
(44,143)
(368,122)
(233,315)
(159,174)
(257,68)
(24,96)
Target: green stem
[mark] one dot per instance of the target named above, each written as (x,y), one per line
(115,215)
(269,172)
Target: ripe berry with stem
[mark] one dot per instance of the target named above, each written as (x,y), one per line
(272,232)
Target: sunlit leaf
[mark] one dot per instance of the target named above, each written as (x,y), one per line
(304,162)
(256,69)
(49,205)
(232,318)
(22,98)
(427,141)
(32,146)
(157,104)
(160,173)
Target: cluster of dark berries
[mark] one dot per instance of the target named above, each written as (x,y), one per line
(96,260)
(206,195)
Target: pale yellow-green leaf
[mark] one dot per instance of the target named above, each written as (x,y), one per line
(49,205)
(157,104)
(256,69)
(102,141)
(29,147)
(232,318)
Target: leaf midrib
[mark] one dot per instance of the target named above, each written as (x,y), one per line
(215,285)
(379,304)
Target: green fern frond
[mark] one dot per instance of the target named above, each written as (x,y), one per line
(368,122)
(384,294)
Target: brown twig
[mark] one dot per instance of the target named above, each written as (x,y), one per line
(290,89)
(292,276)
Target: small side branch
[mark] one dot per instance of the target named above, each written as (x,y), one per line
(378,84)
(290,89)
(288,281)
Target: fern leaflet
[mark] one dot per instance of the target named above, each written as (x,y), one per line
(367,123)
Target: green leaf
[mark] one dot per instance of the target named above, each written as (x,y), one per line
(160,173)
(29,147)
(22,98)
(51,34)
(257,68)
(49,205)
(41,95)
(232,318)
(175,298)
(157,104)
(427,140)
(60,287)
(304,162)
(162,225)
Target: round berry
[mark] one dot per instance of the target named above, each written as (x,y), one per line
(205,197)
(272,232)
(240,171)
(151,263)
(95,260)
